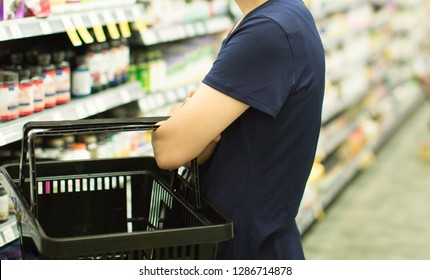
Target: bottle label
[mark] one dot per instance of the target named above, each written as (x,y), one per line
(4,102)
(9,107)
(81,82)
(50,89)
(26,99)
(39,95)
(62,81)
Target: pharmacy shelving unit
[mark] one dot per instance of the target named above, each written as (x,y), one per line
(390,63)
(86,17)
(170,33)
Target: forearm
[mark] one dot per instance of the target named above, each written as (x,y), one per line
(207,152)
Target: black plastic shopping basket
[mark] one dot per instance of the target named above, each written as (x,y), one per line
(124,208)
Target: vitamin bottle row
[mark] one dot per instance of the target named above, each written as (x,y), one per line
(34,80)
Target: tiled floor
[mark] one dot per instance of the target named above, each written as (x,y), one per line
(385,212)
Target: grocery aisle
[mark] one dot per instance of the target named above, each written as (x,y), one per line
(385,212)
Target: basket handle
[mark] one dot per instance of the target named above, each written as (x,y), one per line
(52,128)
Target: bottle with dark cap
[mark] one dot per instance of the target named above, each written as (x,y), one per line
(62,78)
(26,93)
(38,87)
(48,75)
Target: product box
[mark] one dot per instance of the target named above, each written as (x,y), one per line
(37,8)
(11,9)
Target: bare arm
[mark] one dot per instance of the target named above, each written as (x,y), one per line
(193,128)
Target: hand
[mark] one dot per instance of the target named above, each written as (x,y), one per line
(208,151)
(179,105)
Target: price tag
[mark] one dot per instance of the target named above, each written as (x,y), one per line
(182,93)
(90,108)
(172,34)
(200,28)
(151,104)
(149,37)
(2,140)
(111,25)
(80,112)
(189,30)
(71,31)
(9,235)
(3,34)
(123,24)
(15,31)
(56,116)
(163,35)
(171,96)
(160,100)
(125,96)
(100,105)
(82,30)
(181,32)
(143,106)
(97,27)
(45,27)
(139,22)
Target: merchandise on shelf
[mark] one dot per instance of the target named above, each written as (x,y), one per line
(174,11)
(9,95)
(42,78)
(11,9)
(49,75)
(172,66)
(62,78)
(4,205)
(37,8)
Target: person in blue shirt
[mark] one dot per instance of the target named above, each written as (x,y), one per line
(253,123)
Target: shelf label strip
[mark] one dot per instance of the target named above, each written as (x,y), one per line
(82,30)
(97,27)
(9,235)
(71,31)
(45,27)
(15,31)
(123,24)
(3,34)
(2,140)
(111,25)
(139,22)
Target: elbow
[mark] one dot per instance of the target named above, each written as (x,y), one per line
(166,155)
(168,162)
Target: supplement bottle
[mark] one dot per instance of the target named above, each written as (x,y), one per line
(38,87)
(62,77)
(48,75)
(78,151)
(125,60)
(81,78)
(26,93)
(9,96)
(105,65)
(4,205)
(93,60)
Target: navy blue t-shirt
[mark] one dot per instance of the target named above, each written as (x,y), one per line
(274,62)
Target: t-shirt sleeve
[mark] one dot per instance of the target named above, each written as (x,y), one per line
(255,66)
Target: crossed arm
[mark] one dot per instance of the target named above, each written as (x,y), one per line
(194,128)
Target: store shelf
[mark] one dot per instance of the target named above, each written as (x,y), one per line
(155,101)
(31,27)
(332,187)
(170,33)
(9,231)
(328,146)
(333,7)
(76,109)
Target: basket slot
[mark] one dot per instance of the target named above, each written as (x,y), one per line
(161,200)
